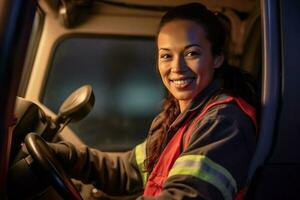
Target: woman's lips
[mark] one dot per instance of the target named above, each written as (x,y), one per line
(181,83)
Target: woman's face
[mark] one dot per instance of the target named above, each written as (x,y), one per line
(185,60)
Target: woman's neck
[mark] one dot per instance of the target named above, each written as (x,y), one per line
(183,104)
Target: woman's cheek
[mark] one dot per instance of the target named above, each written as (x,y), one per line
(161,73)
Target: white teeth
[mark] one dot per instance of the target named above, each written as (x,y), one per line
(182,82)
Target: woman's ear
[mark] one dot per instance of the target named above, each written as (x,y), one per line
(218,61)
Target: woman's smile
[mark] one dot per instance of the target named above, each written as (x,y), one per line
(182,83)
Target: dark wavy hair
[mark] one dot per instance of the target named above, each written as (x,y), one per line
(235,82)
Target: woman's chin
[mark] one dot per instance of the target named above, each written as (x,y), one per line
(184,96)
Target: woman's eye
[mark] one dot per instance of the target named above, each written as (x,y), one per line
(165,56)
(192,53)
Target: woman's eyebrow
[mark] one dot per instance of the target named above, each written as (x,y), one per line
(163,49)
(186,47)
(192,45)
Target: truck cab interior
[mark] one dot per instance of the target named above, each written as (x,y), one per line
(70,68)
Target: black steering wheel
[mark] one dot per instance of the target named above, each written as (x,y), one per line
(46,161)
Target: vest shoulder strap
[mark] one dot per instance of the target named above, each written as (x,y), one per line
(245,107)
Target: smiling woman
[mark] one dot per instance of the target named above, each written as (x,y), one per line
(206,118)
(206,145)
(186,63)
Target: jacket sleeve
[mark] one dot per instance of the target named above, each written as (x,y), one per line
(113,173)
(215,164)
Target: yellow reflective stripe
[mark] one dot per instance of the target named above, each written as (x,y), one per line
(140,156)
(205,169)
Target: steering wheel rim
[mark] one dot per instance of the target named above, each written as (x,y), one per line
(45,158)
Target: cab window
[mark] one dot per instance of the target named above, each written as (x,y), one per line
(122,72)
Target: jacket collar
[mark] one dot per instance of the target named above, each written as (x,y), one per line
(198,102)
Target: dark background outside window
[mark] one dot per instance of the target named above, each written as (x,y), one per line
(127,88)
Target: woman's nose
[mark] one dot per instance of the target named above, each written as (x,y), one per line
(179,64)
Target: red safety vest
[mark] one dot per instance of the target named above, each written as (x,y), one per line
(173,149)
